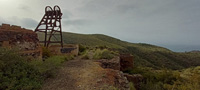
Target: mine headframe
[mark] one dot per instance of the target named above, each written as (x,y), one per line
(50,26)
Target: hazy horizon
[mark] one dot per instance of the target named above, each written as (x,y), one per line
(173,24)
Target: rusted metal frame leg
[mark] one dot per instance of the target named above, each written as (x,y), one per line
(52,30)
(46,32)
(39,24)
(61,33)
(51,33)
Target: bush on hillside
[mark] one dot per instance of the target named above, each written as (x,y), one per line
(16,73)
(165,79)
(49,66)
(46,53)
(85,55)
(82,49)
(103,54)
(101,47)
(131,85)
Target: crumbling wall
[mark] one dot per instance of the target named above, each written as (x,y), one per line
(126,62)
(112,63)
(26,41)
(68,49)
(123,63)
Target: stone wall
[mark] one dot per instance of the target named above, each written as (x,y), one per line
(135,78)
(68,49)
(122,63)
(112,63)
(26,41)
(126,62)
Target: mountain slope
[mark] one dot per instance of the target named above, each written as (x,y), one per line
(144,54)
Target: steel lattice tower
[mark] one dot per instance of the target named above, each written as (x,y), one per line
(50,25)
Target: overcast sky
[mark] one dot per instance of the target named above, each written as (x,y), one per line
(174,24)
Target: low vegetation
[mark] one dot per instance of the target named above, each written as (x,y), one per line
(49,66)
(98,53)
(82,49)
(165,79)
(145,55)
(103,54)
(46,53)
(131,85)
(161,68)
(18,73)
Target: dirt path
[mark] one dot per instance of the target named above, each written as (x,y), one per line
(76,75)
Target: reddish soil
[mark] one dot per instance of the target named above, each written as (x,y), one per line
(76,75)
(83,75)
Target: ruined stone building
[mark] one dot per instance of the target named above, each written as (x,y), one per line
(26,41)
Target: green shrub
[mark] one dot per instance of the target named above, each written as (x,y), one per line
(165,79)
(46,52)
(102,47)
(167,76)
(82,49)
(85,56)
(149,85)
(49,66)
(106,54)
(103,54)
(131,85)
(97,54)
(16,73)
(68,57)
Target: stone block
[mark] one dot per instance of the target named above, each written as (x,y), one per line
(135,78)
(5,26)
(126,62)
(112,63)
(14,27)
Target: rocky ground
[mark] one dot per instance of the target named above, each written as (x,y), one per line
(86,75)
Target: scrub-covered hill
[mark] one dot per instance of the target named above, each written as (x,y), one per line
(144,54)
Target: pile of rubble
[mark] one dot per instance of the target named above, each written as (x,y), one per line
(26,41)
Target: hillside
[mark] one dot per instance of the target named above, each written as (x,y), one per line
(144,54)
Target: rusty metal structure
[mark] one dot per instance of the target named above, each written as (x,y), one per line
(50,25)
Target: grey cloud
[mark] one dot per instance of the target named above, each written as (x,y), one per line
(76,22)
(66,14)
(160,22)
(29,23)
(1,20)
(25,8)
(155,21)
(24,22)
(125,8)
(98,6)
(11,20)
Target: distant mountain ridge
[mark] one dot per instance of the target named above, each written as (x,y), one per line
(144,54)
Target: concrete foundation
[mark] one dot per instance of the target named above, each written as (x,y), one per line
(68,49)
